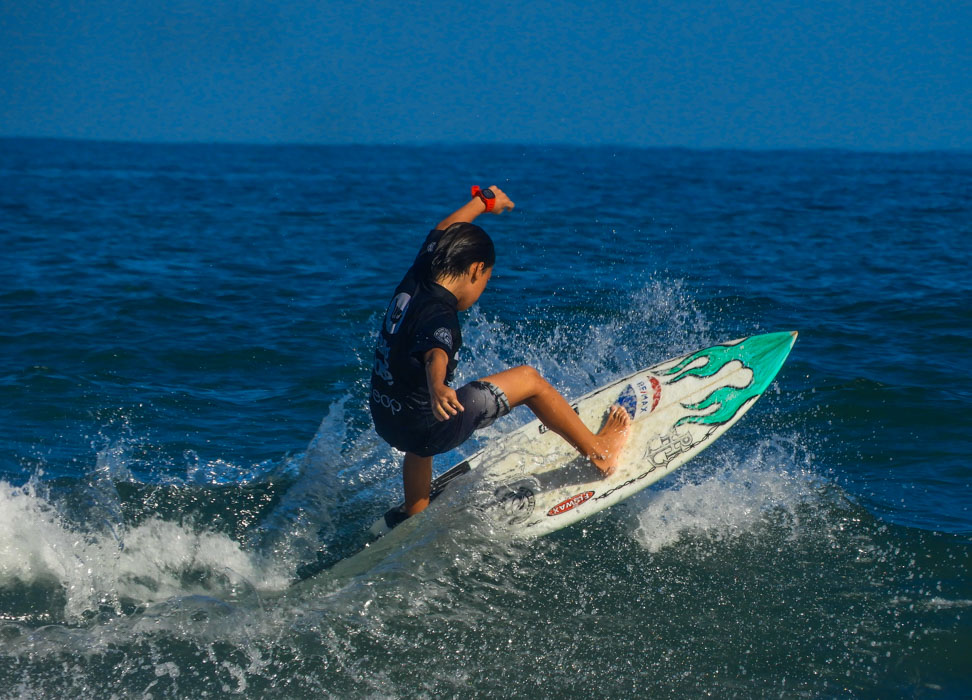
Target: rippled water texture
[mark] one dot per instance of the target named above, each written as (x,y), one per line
(185,344)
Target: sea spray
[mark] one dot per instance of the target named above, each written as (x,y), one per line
(118,570)
(726,492)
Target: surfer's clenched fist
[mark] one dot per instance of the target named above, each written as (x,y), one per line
(476,206)
(501,202)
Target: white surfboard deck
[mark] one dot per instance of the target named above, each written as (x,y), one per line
(679,407)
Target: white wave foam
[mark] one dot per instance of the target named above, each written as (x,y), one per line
(145,563)
(734,495)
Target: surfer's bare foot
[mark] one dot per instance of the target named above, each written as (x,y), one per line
(610,441)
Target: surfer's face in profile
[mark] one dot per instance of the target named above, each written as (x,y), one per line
(471,285)
(479,285)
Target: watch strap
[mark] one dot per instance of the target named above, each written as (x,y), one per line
(489,202)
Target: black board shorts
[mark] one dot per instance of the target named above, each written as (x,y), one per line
(425,436)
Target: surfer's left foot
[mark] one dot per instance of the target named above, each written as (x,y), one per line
(610,441)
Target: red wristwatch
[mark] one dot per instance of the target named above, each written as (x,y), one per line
(489,199)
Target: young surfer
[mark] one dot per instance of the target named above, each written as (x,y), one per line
(413,407)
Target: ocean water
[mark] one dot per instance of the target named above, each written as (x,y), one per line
(186,333)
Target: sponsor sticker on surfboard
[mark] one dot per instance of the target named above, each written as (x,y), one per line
(570,503)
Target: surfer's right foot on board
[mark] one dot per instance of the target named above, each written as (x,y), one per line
(610,440)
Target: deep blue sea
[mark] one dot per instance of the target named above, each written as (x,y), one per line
(186,335)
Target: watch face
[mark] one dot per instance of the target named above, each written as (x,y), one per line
(488,193)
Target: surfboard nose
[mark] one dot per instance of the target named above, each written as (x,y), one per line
(773,343)
(765,354)
(770,352)
(773,339)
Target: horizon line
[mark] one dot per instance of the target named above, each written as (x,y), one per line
(483,144)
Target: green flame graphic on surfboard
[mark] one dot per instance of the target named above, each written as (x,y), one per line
(762,354)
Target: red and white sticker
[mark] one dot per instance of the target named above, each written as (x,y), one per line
(570,503)
(649,396)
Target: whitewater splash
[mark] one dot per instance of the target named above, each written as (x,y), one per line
(120,566)
(732,490)
(99,561)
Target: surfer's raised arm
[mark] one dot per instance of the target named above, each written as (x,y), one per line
(491,199)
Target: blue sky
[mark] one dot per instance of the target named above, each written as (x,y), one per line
(889,75)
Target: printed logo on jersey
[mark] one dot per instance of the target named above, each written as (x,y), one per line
(386,401)
(570,503)
(444,336)
(396,312)
(382,367)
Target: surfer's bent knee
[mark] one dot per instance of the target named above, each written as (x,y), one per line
(530,375)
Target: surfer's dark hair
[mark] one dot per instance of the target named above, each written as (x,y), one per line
(460,246)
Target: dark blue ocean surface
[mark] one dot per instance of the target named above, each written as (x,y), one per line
(186,338)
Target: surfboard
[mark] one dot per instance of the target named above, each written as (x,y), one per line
(537,483)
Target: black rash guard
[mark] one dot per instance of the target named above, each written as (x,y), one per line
(422,315)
